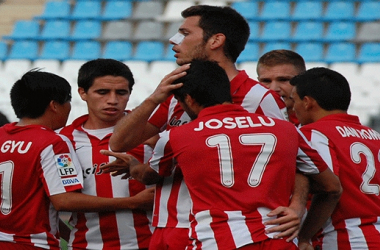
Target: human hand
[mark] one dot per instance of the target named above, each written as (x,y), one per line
(145,199)
(163,90)
(288,223)
(119,166)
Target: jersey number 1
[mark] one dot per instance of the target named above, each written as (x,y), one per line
(6,174)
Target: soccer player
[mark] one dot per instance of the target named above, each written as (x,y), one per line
(106,85)
(40,173)
(321,99)
(231,160)
(275,69)
(207,32)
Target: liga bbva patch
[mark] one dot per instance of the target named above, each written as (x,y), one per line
(65,165)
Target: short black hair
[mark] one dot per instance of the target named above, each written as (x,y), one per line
(329,88)
(103,67)
(206,82)
(31,95)
(225,20)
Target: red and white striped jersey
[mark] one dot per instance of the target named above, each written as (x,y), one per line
(172,201)
(35,163)
(126,229)
(352,151)
(232,161)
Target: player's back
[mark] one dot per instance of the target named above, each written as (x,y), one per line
(352,151)
(237,155)
(26,183)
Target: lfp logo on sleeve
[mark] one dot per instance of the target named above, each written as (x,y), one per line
(65,165)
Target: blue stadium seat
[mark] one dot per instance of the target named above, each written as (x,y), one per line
(169,53)
(24,29)
(275,45)
(275,10)
(249,10)
(118,50)
(254,30)
(276,31)
(149,51)
(340,31)
(55,10)
(59,50)
(340,10)
(24,50)
(3,51)
(250,53)
(55,29)
(340,52)
(116,10)
(308,31)
(86,30)
(86,50)
(86,10)
(369,53)
(307,10)
(310,51)
(368,11)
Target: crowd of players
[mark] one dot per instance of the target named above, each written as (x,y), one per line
(211,162)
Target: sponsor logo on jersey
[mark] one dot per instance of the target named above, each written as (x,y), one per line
(70,181)
(65,165)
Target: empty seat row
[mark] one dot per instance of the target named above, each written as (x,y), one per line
(317,52)
(90,29)
(87,50)
(150,30)
(113,10)
(309,9)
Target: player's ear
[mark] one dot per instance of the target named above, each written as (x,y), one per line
(82,93)
(309,102)
(217,40)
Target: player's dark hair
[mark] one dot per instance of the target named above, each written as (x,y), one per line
(206,82)
(329,88)
(31,95)
(225,20)
(280,57)
(103,67)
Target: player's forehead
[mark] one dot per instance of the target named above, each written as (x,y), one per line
(110,82)
(275,71)
(190,24)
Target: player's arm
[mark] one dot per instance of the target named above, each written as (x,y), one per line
(134,128)
(325,198)
(289,219)
(78,202)
(277,106)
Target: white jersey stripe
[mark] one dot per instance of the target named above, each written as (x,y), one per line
(321,143)
(355,234)
(205,233)
(240,232)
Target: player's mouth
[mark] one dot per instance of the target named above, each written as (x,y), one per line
(111,111)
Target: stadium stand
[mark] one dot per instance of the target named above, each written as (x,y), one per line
(343,35)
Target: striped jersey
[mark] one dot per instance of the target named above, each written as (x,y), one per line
(172,200)
(352,152)
(123,229)
(35,163)
(238,166)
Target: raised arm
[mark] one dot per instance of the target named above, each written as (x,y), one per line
(134,128)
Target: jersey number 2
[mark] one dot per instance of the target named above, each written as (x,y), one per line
(356,150)
(222,143)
